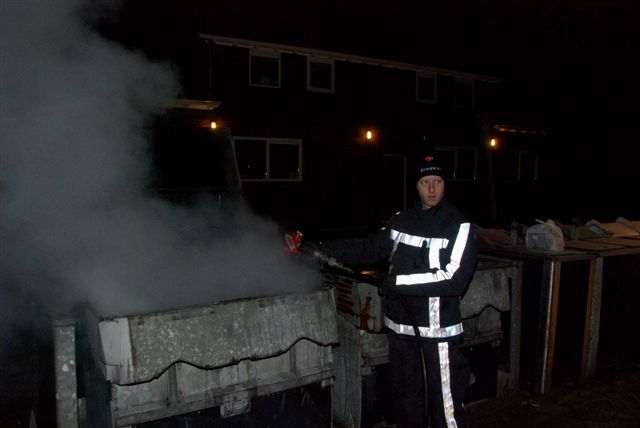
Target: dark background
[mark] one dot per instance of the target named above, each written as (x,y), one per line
(570,66)
(567,66)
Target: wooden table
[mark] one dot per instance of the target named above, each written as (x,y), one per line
(605,249)
(552,263)
(594,251)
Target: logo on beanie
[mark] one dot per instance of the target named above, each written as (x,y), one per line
(434,169)
(430,166)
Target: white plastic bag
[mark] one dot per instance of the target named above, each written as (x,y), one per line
(544,236)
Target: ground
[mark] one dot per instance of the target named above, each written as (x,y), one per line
(610,399)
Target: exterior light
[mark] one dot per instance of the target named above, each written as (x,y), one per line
(493,143)
(369,135)
(213,124)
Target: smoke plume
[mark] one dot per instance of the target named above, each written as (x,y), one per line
(77,221)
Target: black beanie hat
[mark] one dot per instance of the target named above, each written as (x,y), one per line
(430,165)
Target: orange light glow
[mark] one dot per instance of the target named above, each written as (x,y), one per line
(213,124)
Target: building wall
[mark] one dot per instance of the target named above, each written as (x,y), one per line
(347,182)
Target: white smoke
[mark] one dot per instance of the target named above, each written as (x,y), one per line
(76,221)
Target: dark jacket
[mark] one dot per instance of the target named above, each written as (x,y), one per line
(432,256)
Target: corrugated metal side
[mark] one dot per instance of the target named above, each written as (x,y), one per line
(185,388)
(217,335)
(222,354)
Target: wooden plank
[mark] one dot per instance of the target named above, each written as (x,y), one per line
(622,242)
(590,245)
(515,329)
(586,343)
(553,320)
(618,230)
(594,331)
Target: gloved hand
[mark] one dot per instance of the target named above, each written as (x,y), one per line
(292,241)
(294,244)
(388,288)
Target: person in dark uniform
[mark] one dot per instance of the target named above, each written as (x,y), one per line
(432,256)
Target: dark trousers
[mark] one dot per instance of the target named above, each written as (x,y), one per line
(447,372)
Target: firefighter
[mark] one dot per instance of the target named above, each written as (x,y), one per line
(432,256)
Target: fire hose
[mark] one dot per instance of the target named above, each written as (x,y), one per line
(293,245)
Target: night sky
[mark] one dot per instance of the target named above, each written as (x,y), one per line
(573,50)
(568,66)
(571,65)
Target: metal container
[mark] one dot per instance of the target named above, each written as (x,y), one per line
(494,288)
(222,354)
(488,294)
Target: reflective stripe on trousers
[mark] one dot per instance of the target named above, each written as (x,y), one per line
(427,332)
(447,377)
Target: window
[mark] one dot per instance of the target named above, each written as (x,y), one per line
(466,168)
(187,160)
(426,87)
(320,75)
(252,158)
(264,69)
(464,93)
(272,159)
(461,161)
(507,165)
(528,166)
(517,165)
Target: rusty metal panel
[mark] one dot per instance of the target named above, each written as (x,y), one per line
(357,301)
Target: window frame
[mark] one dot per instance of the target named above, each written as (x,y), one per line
(518,178)
(535,168)
(269,141)
(265,54)
(434,77)
(471,83)
(456,149)
(318,60)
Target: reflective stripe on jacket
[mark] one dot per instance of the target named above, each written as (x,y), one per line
(432,255)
